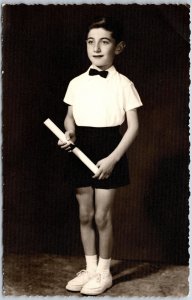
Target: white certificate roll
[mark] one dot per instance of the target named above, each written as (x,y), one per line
(75,150)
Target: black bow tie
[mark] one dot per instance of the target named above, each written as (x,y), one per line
(93,72)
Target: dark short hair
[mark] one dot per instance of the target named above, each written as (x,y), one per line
(109,24)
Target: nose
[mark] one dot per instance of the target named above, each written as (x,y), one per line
(96,47)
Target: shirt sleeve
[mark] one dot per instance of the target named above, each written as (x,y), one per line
(131,97)
(69,96)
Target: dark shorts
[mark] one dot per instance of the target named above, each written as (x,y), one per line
(97,143)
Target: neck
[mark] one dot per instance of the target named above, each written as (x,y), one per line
(104,68)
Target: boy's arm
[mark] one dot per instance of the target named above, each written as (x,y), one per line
(129,136)
(69,124)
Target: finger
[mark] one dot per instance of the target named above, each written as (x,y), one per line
(97,174)
(68,149)
(65,146)
(60,143)
(98,164)
(105,176)
(101,176)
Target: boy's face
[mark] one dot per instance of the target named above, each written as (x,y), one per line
(101,48)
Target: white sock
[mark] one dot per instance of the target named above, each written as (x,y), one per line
(103,265)
(91,263)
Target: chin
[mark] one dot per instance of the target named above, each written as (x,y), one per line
(99,66)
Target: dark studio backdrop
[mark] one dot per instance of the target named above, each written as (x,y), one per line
(43,49)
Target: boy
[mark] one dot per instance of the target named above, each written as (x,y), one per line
(99,101)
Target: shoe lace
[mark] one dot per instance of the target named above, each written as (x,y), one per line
(98,277)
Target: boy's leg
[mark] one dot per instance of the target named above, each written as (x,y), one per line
(86,213)
(103,217)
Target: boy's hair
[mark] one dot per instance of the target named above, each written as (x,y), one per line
(109,24)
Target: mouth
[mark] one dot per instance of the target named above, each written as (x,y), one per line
(97,56)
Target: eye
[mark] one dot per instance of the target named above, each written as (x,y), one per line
(89,42)
(105,42)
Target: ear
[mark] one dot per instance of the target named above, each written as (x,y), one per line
(119,48)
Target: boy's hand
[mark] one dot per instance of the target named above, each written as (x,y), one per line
(106,166)
(70,136)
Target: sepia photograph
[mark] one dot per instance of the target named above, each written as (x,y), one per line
(95,149)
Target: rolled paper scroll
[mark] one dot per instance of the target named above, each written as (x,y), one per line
(61,136)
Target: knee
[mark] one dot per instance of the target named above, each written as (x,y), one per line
(86,217)
(86,209)
(102,220)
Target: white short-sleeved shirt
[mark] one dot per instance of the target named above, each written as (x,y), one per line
(101,102)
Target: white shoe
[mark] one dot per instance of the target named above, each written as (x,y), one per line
(76,284)
(98,284)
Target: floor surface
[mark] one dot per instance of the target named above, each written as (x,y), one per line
(47,275)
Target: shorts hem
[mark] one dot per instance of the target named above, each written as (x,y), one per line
(100,186)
